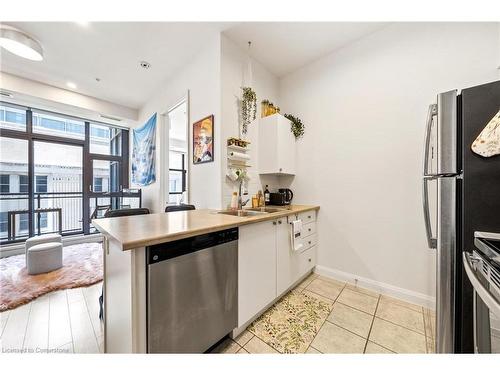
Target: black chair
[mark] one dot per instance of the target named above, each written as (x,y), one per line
(118,213)
(126,212)
(180,207)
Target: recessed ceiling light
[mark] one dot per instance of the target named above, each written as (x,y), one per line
(20,43)
(145,64)
(71,85)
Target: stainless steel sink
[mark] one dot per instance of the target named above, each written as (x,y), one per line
(268,210)
(240,213)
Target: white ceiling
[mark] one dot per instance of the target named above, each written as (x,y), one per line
(286,46)
(110,51)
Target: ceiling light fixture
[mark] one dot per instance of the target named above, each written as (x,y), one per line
(20,43)
(71,85)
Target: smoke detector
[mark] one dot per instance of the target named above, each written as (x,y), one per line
(145,65)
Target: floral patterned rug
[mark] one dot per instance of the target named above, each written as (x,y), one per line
(291,324)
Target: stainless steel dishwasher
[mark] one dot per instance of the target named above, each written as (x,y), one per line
(192,292)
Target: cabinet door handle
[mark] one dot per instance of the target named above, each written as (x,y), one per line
(309,259)
(279,221)
(274,223)
(309,242)
(309,229)
(309,216)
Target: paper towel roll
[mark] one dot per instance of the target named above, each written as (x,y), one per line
(238,155)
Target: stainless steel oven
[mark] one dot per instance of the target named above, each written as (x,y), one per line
(483,270)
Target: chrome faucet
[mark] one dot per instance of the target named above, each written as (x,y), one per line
(240,202)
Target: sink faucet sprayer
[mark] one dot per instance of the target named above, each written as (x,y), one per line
(240,202)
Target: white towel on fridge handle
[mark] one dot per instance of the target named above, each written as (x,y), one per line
(296,235)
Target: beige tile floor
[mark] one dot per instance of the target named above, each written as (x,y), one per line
(65,321)
(358,321)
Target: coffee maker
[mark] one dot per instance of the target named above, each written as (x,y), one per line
(282,198)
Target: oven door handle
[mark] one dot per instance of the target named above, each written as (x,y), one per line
(481,291)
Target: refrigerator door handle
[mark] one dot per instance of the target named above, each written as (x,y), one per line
(431,241)
(428,128)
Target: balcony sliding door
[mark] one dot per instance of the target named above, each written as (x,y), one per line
(58,188)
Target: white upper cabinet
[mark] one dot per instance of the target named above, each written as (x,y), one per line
(276,146)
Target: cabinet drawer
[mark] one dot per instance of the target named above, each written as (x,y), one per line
(309,241)
(308,216)
(308,229)
(307,260)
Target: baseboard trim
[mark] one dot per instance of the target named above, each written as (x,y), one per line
(379,287)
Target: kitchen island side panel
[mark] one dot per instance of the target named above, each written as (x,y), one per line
(124,299)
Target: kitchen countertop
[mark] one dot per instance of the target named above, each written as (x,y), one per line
(145,230)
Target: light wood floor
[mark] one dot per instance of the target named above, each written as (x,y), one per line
(65,321)
(359,321)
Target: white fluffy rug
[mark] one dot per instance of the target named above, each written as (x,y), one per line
(82,266)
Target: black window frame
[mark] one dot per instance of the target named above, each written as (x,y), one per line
(45,183)
(183,171)
(86,191)
(3,183)
(98,190)
(23,184)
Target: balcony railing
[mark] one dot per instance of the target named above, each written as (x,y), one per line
(53,212)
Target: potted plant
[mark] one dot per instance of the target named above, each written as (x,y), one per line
(248,107)
(297,127)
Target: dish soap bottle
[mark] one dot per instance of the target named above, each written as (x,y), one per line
(234,201)
(267,195)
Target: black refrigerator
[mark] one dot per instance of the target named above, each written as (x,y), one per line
(461,195)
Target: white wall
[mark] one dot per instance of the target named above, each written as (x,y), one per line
(201,77)
(233,65)
(37,94)
(364,108)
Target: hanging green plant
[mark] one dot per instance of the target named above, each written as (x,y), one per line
(297,127)
(248,108)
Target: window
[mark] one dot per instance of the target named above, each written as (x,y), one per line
(178,151)
(58,125)
(4,183)
(59,144)
(23,222)
(40,184)
(98,184)
(12,117)
(3,221)
(176,176)
(105,140)
(23,184)
(43,220)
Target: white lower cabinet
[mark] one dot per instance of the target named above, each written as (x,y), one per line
(256,269)
(307,260)
(288,262)
(267,266)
